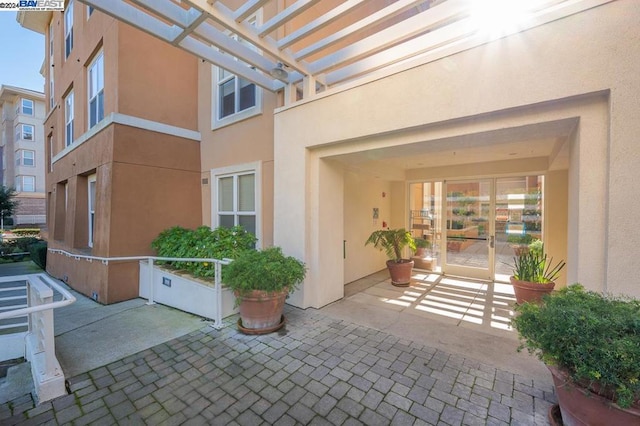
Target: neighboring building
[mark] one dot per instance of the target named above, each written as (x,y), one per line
(405,114)
(123,155)
(23,157)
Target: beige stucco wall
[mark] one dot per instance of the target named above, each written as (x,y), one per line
(582,68)
(243,142)
(361,194)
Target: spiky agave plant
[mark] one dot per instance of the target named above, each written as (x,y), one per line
(392,242)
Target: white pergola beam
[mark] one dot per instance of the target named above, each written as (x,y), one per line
(248,9)
(319,23)
(373,19)
(168,10)
(227,62)
(224,16)
(285,16)
(416,46)
(451,39)
(392,35)
(233,47)
(137,18)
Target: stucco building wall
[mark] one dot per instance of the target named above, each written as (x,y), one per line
(581,68)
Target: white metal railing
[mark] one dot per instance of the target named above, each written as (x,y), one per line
(38,344)
(150,261)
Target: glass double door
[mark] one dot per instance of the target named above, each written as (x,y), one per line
(487,221)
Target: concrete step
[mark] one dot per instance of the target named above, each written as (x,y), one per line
(18,382)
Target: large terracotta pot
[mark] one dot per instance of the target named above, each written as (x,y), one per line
(579,407)
(400,272)
(260,310)
(530,292)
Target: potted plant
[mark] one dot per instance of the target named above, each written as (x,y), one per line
(534,275)
(421,246)
(261,280)
(393,242)
(591,344)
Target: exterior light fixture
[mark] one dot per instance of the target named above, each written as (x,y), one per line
(279,72)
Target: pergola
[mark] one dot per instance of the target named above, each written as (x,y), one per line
(293,50)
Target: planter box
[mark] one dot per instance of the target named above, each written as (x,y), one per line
(428,263)
(185,292)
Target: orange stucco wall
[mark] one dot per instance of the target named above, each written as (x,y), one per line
(155,81)
(147,179)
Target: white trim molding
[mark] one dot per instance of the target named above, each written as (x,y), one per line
(131,121)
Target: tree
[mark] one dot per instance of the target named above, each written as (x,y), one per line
(8,203)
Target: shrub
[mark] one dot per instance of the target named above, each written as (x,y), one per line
(202,242)
(268,270)
(519,239)
(595,338)
(38,252)
(26,232)
(22,244)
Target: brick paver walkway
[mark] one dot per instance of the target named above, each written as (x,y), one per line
(317,371)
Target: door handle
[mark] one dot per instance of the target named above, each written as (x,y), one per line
(492,241)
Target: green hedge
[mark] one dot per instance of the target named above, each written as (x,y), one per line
(26,232)
(38,252)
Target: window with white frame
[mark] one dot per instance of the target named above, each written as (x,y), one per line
(68,119)
(236,197)
(51,42)
(96,90)
(25,183)
(25,157)
(51,99)
(50,156)
(27,106)
(90,10)
(25,132)
(51,86)
(68,29)
(234,97)
(91,184)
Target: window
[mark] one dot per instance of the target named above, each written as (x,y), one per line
(27,106)
(51,101)
(235,97)
(51,42)
(25,157)
(90,10)
(50,153)
(68,29)
(25,183)
(91,181)
(235,197)
(68,119)
(96,90)
(25,132)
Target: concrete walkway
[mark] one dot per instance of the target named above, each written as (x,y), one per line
(318,370)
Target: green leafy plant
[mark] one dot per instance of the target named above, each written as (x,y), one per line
(267,270)
(593,337)
(535,266)
(392,242)
(421,242)
(519,239)
(203,242)
(536,246)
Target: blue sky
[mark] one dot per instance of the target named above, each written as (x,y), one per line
(21,54)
